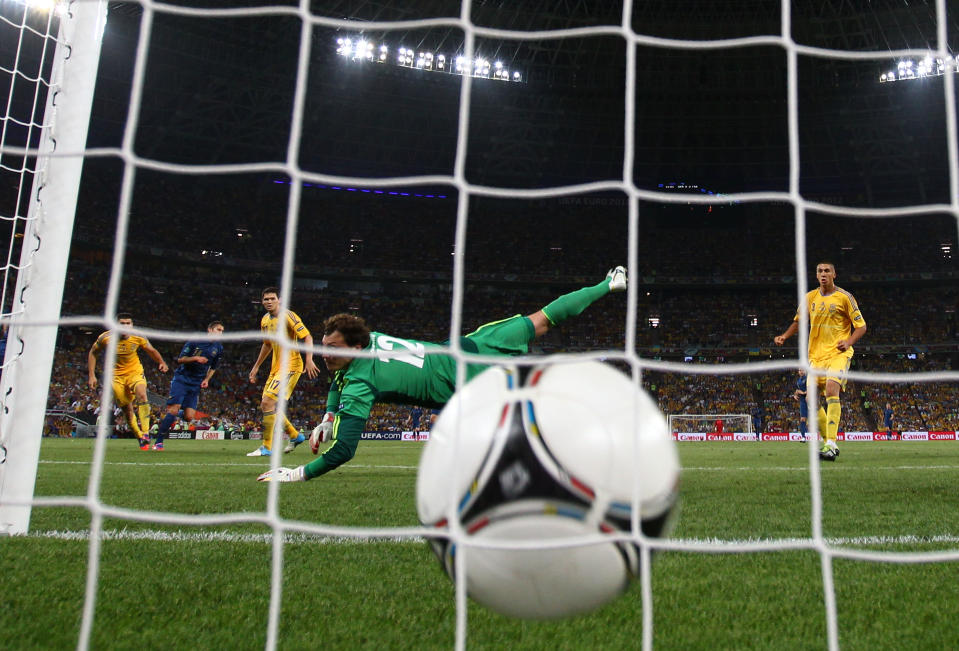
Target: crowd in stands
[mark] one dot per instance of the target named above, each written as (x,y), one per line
(244,218)
(712,287)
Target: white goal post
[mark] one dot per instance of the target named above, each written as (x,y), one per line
(48,227)
(701,423)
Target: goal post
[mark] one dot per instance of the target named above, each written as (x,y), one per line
(702,423)
(47,232)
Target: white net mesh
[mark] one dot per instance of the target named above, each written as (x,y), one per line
(21,130)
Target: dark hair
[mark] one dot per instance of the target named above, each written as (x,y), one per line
(211,324)
(352,327)
(829,262)
(124,315)
(270,290)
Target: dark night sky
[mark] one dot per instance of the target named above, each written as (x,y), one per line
(220,91)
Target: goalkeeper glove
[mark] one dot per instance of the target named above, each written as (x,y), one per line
(284,475)
(322,432)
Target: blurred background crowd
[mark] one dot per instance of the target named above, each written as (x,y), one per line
(714,285)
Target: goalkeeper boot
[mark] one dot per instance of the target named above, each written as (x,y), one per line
(617,279)
(261,451)
(144,443)
(300,438)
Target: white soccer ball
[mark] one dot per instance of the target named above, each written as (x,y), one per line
(539,464)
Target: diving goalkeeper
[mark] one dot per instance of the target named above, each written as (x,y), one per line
(401,371)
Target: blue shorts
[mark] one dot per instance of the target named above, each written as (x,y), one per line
(185,394)
(803,407)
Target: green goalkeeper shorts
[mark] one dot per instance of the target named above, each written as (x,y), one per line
(510,336)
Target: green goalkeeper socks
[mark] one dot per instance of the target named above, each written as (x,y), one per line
(574,303)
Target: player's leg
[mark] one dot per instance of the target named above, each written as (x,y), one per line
(142,406)
(178,393)
(292,433)
(125,398)
(574,303)
(268,407)
(803,415)
(835,382)
(166,424)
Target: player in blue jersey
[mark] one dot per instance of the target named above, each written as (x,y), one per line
(400,370)
(887,420)
(197,361)
(800,395)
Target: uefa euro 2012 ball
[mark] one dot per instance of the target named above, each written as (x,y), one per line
(542,473)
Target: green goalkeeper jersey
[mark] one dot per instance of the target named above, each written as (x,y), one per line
(404,371)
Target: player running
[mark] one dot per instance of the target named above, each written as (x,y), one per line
(197,361)
(129,382)
(401,371)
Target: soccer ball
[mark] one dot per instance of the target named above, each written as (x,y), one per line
(535,464)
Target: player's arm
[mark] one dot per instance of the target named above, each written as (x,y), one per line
(846,344)
(856,321)
(155,356)
(184,357)
(790,331)
(347,431)
(265,350)
(309,365)
(206,380)
(92,364)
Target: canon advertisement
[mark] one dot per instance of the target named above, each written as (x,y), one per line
(796,436)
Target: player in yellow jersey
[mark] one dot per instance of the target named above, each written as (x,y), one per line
(297,331)
(129,382)
(835,324)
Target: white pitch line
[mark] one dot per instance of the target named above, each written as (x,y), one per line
(175,464)
(829,468)
(318,539)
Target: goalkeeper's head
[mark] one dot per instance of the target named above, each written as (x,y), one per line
(344,331)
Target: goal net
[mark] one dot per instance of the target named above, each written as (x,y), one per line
(701,423)
(286,119)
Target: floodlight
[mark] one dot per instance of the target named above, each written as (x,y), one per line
(422,60)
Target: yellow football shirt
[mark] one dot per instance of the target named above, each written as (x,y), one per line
(831,319)
(128,361)
(295,329)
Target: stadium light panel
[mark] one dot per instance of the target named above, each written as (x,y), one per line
(926,67)
(363,49)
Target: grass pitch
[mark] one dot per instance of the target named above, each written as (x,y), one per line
(193,585)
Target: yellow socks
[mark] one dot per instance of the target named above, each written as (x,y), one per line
(269,419)
(833,412)
(134,425)
(291,431)
(144,411)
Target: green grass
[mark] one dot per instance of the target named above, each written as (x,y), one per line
(187,591)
